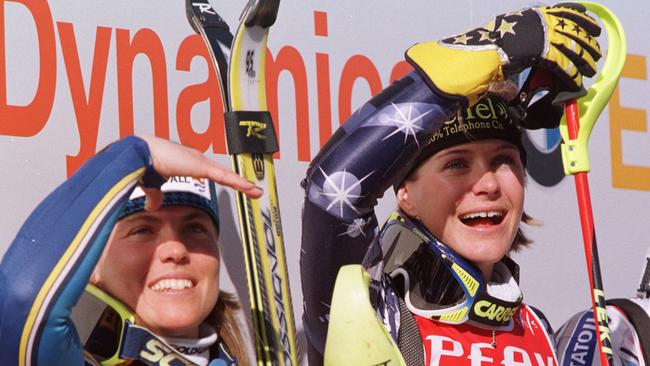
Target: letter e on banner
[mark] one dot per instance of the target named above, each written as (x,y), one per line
(628,119)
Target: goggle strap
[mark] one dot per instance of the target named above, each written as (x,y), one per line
(140,344)
(492,311)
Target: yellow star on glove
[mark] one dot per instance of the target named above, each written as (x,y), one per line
(561,39)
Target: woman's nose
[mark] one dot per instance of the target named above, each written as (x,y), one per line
(487,184)
(172,249)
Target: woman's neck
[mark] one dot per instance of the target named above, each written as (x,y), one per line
(486,270)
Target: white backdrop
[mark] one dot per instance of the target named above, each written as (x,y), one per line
(33,154)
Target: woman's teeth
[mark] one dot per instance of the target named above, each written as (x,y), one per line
(171,284)
(484,217)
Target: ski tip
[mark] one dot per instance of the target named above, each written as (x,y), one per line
(201,14)
(262,13)
(189,13)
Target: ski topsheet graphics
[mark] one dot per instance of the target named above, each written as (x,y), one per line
(251,142)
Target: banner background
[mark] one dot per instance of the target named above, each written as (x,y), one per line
(353,58)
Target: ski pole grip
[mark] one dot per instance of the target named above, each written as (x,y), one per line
(575,150)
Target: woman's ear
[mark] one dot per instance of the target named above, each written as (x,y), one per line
(404,202)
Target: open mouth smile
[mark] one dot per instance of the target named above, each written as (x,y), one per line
(171,284)
(483,218)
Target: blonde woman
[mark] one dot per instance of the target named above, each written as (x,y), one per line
(151,256)
(443,283)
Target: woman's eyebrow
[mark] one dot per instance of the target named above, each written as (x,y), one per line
(141,217)
(453,152)
(195,216)
(507,146)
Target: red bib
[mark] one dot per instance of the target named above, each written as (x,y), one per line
(527,344)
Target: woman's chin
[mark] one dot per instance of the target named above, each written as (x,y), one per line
(172,321)
(484,252)
(178,328)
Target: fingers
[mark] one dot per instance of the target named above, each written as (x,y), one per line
(224,176)
(153,198)
(581,59)
(563,69)
(573,50)
(207,168)
(576,33)
(576,13)
(172,159)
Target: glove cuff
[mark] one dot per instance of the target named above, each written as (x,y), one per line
(456,73)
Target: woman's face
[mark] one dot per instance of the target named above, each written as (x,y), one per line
(471,197)
(164,265)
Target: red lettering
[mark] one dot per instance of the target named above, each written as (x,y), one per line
(399,70)
(87,107)
(515,356)
(147,43)
(193,46)
(323,82)
(289,59)
(324,98)
(356,67)
(320,23)
(30,119)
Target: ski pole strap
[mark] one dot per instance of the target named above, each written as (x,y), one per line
(250,132)
(409,340)
(640,321)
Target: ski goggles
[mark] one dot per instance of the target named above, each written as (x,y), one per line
(439,284)
(108,332)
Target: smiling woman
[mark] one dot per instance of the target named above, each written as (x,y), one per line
(447,138)
(151,256)
(480,196)
(164,264)
(439,265)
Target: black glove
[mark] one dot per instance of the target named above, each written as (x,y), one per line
(559,38)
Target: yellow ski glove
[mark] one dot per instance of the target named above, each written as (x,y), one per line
(560,38)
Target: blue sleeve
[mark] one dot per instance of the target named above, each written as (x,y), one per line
(368,154)
(47,266)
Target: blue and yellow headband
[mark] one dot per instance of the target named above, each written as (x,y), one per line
(180,191)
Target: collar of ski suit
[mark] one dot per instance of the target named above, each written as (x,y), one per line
(439,284)
(196,350)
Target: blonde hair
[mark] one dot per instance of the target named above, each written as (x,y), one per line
(521,240)
(223,318)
